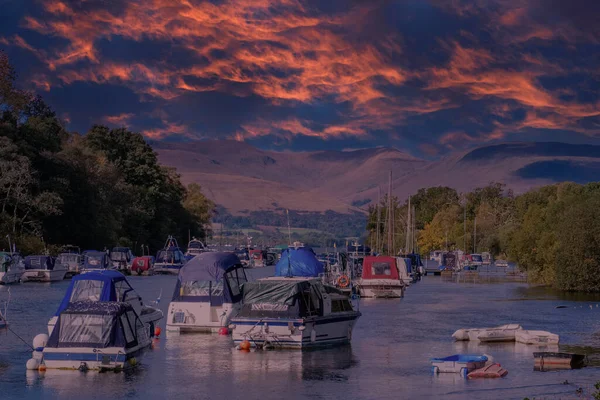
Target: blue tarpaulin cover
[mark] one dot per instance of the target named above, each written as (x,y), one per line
(100,284)
(300,261)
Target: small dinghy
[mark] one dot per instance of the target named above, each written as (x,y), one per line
(545,361)
(458,363)
(493,370)
(500,333)
(536,337)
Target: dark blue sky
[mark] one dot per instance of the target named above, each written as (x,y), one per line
(427,76)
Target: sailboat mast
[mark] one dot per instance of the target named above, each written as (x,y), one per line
(390,238)
(408,227)
(378,219)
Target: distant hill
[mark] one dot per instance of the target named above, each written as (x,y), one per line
(243,178)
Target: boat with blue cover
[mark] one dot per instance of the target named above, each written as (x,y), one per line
(43,269)
(91,335)
(207,293)
(458,363)
(106,286)
(95,261)
(294,309)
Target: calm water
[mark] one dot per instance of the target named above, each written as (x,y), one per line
(388,358)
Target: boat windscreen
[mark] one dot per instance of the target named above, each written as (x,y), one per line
(68,258)
(201,289)
(195,245)
(87,290)
(86,330)
(118,256)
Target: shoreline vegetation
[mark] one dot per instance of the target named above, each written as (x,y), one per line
(552,232)
(96,190)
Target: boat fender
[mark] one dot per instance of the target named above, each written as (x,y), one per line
(343,281)
(42,368)
(32,364)
(245,345)
(223,331)
(38,354)
(157,331)
(40,341)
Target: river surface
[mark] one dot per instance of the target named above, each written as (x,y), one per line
(388,358)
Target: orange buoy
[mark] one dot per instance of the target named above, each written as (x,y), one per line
(343,281)
(157,331)
(245,345)
(223,331)
(42,368)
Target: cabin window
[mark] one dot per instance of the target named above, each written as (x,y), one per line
(235,279)
(87,290)
(341,305)
(121,289)
(127,331)
(202,288)
(381,268)
(86,329)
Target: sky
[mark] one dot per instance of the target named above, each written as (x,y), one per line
(426,76)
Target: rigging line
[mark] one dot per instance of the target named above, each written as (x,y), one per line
(14,333)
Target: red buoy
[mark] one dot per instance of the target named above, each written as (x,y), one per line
(223,331)
(157,331)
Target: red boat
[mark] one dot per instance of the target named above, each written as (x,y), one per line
(142,265)
(494,370)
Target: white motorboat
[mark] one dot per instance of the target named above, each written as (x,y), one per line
(70,257)
(536,337)
(12,267)
(380,278)
(106,286)
(501,333)
(195,247)
(170,259)
(92,335)
(43,269)
(207,293)
(293,312)
(121,259)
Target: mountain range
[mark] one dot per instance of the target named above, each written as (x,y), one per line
(243,178)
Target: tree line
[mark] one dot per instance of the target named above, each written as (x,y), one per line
(96,190)
(552,232)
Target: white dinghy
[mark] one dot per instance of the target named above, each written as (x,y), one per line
(536,337)
(502,333)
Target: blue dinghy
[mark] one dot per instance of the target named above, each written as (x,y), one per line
(460,363)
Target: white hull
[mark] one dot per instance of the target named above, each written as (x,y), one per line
(536,337)
(286,333)
(501,333)
(43,275)
(380,288)
(94,359)
(10,276)
(199,316)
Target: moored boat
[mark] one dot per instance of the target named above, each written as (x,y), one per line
(536,337)
(545,361)
(121,258)
(493,370)
(106,286)
(43,269)
(293,312)
(12,267)
(70,257)
(94,261)
(380,278)
(170,259)
(458,363)
(499,333)
(195,247)
(207,293)
(143,265)
(91,335)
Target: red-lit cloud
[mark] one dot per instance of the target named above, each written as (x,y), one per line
(290,55)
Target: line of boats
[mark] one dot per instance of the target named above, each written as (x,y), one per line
(103,324)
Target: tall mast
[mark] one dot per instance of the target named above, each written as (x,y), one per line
(475,234)
(378,219)
(408,227)
(390,219)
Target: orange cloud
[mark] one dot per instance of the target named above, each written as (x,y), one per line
(121,119)
(168,129)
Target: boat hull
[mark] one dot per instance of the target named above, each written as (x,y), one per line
(6,278)
(199,316)
(41,275)
(381,288)
(112,358)
(167,269)
(287,333)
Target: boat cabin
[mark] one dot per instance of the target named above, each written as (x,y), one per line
(121,257)
(97,325)
(100,286)
(39,263)
(170,255)
(299,261)
(95,260)
(380,267)
(142,264)
(195,247)
(291,298)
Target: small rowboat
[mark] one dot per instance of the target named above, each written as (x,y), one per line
(500,333)
(494,370)
(536,337)
(545,361)
(462,364)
